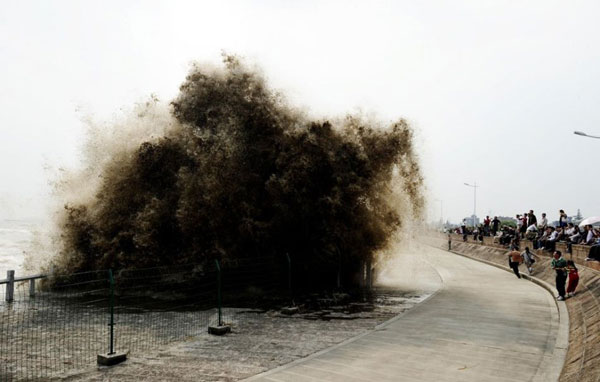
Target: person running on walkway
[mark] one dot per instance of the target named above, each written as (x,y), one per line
(528,258)
(573,278)
(514,259)
(560,267)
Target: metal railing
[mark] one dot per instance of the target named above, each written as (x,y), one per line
(11,280)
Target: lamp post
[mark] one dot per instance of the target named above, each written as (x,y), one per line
(474,185)
(585,135)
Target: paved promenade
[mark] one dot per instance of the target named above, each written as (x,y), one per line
(482,324)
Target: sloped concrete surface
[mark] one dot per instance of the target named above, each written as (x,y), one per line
(483,324)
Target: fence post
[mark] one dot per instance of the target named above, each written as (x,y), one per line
(10,286)
(220,329)
(112,357)
(32,288)
(111,280)
(219,292)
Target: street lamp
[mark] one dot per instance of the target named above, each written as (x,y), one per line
(474,185)
(584,134)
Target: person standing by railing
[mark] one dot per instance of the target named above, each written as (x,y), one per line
(524,225)
(519,224)
(531,218)
(486,226)
(495,224)
(562,219)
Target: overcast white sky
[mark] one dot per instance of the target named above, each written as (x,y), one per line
(494,88)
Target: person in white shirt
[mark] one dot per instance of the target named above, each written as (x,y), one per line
(574,238)
(588,235)
(570,229)
(531,232)
(543,223)
(532,228)
(549,244)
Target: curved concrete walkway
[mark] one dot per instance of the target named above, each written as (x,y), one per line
(482,324)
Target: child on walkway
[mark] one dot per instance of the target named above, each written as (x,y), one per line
(573,278)
(528,258)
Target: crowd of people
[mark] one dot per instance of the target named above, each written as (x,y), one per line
(543,235)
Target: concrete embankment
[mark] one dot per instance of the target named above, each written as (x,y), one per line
(582,361)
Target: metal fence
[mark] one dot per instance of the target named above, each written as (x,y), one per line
(58,324)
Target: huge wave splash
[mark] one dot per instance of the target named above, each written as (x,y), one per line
(229,170)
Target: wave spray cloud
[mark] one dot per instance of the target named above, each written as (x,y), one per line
(229,170)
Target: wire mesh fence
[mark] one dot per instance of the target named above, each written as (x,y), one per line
(58,324)
(53,329)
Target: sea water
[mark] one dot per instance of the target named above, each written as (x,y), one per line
(16,237)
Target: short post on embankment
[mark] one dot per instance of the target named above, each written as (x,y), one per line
(220,328)
(112,357)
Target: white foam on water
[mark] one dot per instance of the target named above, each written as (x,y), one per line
(16,237)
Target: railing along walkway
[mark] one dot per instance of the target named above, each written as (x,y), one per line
(11,280)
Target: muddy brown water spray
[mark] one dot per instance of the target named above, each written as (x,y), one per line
(238,173)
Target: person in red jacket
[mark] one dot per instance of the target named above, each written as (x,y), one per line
(486,226)
(573,278)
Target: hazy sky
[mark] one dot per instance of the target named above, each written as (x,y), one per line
(495,89)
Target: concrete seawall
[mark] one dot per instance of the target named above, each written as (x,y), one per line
(583,355)
(580,252)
